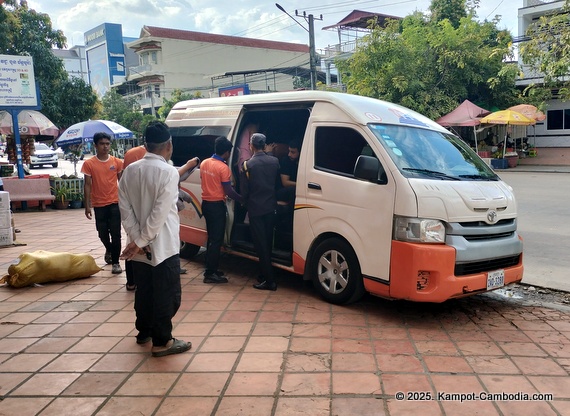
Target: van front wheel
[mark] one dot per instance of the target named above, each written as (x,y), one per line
(188,251)
(335,272)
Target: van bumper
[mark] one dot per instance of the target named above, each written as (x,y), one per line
(425,273)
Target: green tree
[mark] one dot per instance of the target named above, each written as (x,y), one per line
(301,83)
(430,66)
(177,96)
(453,10)
(78,102)
(26,32)
(137,122)
(118,108)
(547,51)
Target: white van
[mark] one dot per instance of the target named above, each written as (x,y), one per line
(387,201)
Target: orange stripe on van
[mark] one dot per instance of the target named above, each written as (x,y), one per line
(298,264)
(195,202)
(305,206)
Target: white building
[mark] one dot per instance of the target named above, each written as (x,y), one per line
(551,136)
(74,61)
(211,64)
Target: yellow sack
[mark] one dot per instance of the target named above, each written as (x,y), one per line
(45,266)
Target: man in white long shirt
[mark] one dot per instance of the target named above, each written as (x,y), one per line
(148,191)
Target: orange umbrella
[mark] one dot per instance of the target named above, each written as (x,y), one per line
(529,111)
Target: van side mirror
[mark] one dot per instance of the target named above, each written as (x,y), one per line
(369,169)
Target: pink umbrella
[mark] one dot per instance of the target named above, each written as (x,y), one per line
(30,123)
(529,111)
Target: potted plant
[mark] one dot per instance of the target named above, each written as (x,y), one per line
(512,159)
(498,162)
(76,199)
(62,196)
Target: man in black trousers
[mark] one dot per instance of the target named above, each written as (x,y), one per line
(259,178)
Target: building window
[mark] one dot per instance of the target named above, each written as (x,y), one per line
(153,57)
(558,119)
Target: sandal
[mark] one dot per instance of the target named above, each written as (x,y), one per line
(131,287)
(177,347)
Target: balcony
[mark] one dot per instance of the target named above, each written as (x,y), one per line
(136,72)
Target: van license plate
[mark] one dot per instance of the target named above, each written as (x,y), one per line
(495,279)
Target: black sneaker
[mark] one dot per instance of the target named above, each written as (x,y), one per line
(108,258)
(219,273)
(214,278)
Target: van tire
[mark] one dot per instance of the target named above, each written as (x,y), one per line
(188,251)
(334,258)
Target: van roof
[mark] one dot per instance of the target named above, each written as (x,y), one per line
(362,109)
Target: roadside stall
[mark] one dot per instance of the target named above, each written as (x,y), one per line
(506,156)
(466,114)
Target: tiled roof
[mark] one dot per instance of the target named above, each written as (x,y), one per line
(360,19)
(160,32)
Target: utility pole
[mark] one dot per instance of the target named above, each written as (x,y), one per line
(313,59)
(312,52)
(151,94)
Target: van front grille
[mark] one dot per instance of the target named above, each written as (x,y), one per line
(464,269)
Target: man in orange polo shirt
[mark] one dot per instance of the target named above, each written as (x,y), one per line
(101,191)
(133,154)
(215,176)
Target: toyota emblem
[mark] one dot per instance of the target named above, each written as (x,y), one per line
(492,216)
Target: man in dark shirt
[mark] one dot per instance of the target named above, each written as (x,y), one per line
(289,166)
(259,178)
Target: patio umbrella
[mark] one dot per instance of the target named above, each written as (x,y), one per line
(30,123)
(531,112)
(83,132)
(508,117)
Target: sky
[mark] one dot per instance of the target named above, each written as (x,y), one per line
(245,18)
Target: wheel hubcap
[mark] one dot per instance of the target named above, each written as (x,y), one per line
(333,271)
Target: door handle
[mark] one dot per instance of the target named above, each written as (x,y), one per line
(313,185)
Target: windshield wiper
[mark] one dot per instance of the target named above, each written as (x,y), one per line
(479,177)
(433,173)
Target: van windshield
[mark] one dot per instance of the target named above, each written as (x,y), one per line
(431,154)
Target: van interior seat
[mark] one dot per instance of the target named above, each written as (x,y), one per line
(280,150)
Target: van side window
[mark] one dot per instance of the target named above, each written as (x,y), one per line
(337,148)
(192,141)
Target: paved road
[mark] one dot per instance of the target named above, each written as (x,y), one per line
(65,167)
(544,222)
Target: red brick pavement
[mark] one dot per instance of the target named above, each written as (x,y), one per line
(69,348)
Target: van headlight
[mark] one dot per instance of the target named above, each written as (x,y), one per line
(419,230)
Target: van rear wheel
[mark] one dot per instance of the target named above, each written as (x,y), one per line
(335,272)
(188,251)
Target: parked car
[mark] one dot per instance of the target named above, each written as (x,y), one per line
(43,155)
